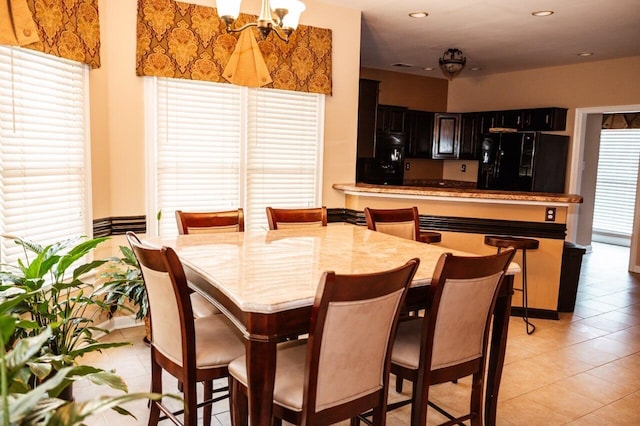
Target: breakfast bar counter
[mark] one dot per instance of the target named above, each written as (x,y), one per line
(465,215)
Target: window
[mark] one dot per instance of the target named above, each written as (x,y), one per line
(218,146)
(43,149)
(616,186)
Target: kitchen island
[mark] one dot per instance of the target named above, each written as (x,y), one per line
(465,215)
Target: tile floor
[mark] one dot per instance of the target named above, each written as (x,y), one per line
(581,370)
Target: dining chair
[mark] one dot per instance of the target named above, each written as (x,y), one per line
(190,349)
(450,341)
(342,370)
(289,218)
(207,223)
(403,223)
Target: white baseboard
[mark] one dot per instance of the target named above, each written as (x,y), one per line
(117,323)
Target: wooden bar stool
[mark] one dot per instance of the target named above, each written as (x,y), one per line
(518,243)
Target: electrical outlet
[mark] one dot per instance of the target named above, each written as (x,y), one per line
(550,214)
(463,168)
(407,166)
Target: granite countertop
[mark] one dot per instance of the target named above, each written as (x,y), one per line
(452,192)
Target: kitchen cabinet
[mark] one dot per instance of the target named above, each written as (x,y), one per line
(419,131)
(390,119)
(367,111)
(446,136)
(471,133)
(545,119)
(512,119)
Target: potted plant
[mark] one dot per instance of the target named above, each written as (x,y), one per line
(125,284)
(21,359)
(57,296)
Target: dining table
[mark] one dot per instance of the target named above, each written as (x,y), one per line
(265,282)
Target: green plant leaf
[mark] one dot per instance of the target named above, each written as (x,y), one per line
(95,347)
(75,413)
(26,348)
(25,403)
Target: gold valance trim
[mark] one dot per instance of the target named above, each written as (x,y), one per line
(69,29)
(182,40)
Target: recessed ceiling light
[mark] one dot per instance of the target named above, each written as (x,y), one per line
(475,68)
(543,13)
(428,68)
(585,54)
(418,14)
(401,65)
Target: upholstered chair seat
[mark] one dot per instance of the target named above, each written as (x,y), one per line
(202,307)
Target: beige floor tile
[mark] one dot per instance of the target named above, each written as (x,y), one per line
(625,411)
(565,402)
(597,388)
(522,411)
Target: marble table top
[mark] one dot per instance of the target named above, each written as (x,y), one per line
(270,271)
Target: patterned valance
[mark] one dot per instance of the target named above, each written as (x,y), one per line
(183,40)
(621,121)
(65,28)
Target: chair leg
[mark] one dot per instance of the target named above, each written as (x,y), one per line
(207,409)
(530,327)
(419,404)
(190,403)
(379,416)
(156,387)
(399,382)
(477,418)
(239,403)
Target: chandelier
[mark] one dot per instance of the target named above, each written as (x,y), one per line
(282,17)
(452,62)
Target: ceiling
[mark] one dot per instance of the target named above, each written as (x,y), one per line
(495,35)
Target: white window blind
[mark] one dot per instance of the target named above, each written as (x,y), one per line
(43,149)
(218,146)
(616,185)
(283,157)
(198,154)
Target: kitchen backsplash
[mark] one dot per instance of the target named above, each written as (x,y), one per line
(422,169)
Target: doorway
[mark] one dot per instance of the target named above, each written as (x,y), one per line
(582,178)
(616,183)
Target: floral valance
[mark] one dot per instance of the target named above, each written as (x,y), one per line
(183,40)
(65,28)
(621,121)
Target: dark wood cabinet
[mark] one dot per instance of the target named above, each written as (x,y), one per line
(446,136)
(470,136)
(545,119)
(390,119)
(419,131)
(367,110)
(512,119)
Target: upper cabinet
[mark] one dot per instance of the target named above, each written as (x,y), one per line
(367,110)
(419,130)
(545,119)
(446,136)
(390,119)
(471,131)
(533,119)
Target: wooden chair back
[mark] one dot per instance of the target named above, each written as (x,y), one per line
(452,338)
(353,323)
(172,329)
(210,222)
(288,218)
(403,223)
